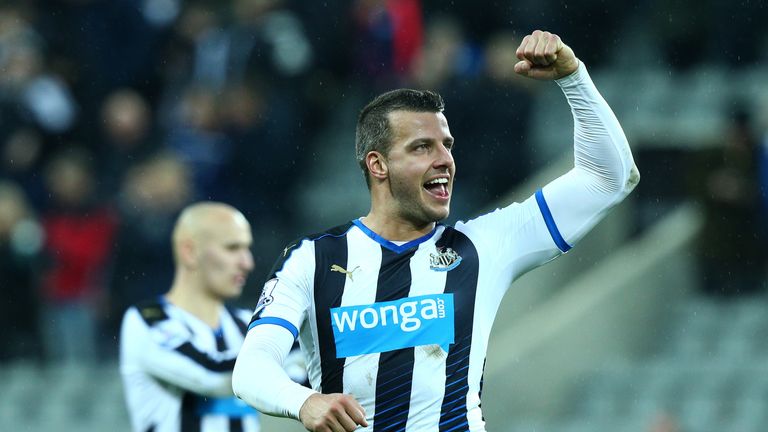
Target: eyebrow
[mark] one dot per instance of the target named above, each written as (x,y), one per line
(234,244)
(426,140)
(418,141)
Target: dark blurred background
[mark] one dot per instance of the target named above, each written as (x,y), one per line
(115,114)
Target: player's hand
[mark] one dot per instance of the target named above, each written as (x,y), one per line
(544,56)
(332,413)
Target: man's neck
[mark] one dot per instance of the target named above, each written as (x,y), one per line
(396,229)
(196,303)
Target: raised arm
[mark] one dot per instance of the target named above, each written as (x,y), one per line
(604,171)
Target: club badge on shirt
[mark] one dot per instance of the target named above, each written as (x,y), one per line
(446,259)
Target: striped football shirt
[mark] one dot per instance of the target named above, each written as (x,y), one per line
(177,370)
(404,327)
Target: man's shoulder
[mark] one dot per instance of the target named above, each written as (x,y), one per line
(335,232)
(289,251)
(151,311)
(499,221)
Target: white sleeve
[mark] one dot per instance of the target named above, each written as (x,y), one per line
(526,235)
(604,172)
(166,353)
(259,378)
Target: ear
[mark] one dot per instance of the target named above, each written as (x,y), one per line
(188,253)
(377,165)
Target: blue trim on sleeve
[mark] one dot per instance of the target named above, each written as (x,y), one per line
(276,321)
(550,221)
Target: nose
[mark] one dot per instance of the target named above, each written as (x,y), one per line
(444,158)
(246,260)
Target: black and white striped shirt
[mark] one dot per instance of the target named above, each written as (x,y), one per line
(404,327)
(177,370)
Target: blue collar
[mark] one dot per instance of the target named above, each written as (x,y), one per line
(388,244)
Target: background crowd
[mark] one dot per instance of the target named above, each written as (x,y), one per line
(114,114)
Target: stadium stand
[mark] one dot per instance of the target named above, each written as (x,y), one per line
(706,375)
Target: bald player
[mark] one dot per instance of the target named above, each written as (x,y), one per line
(177,351)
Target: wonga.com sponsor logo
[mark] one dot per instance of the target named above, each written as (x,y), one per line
(386,326)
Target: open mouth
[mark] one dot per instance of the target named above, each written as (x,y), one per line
(438,187)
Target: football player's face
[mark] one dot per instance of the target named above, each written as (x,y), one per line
(420,166)
(225,257)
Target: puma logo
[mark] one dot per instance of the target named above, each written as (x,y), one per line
(340,269)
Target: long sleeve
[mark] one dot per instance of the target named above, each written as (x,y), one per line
(604,172)
(259,378)
(171,357)
(562,212)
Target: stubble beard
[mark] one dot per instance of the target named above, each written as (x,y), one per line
(410,205)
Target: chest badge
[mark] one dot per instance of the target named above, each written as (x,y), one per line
(445,259)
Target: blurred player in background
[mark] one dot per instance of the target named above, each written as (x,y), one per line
(177,352)
(393,310)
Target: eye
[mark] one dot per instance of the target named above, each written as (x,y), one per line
(420,147)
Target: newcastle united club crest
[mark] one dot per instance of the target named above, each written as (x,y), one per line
(444,260)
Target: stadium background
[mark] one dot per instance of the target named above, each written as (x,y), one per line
(114,114)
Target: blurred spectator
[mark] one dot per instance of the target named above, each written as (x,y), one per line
(480,22)
(268,41)
(127,136)
(249,40)
(20,243)
(389,38)
(196,138)
(259,128)
(202,39)
(440,59)
(105,45)
(79,231)
(153,193)
(20,161)
(725,181)
(26,85)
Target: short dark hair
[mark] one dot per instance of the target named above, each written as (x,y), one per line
(374,133)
